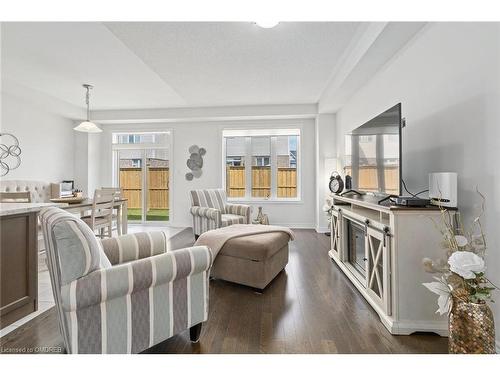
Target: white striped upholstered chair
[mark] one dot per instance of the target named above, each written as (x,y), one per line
(210,210)
(122,294)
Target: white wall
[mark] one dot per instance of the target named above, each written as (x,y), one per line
(81,162)
(448,81)
(209,136)
(45,138)
(87,150)
(326,149)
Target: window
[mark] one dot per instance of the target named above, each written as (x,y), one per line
(261,167)
(235,167)
(136,163)
(286,154)
(262,161)
(138,138)
(272,170)
(235,161)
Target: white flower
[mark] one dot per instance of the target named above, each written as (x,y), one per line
(444,293)
(461,240)
(326,208)
(466,264)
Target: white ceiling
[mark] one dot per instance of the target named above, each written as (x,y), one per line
(240,63)
(57,58)
(166,65)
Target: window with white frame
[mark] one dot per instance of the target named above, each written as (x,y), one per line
(262,164)
(138,138)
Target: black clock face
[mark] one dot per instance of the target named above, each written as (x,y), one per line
(336,184)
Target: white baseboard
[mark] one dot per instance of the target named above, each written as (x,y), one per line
(289,225)
(296,225)
(322,229)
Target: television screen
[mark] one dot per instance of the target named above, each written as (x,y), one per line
(373,154)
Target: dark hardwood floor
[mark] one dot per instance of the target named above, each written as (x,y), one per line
(311,307)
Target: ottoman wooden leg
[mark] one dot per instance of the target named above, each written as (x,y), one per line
(194,333)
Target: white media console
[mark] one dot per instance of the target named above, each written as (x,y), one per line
(380,249)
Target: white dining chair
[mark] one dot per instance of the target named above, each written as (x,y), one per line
(101,213)
(118,211)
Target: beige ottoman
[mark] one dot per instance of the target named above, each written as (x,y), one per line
(252,260)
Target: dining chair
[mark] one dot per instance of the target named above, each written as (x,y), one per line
(15,197)
(101,213)
(117,212)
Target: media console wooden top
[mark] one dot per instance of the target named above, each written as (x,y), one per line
(370,201)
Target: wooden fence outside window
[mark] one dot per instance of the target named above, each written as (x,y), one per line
(261,182)
(368,178)
(157,183)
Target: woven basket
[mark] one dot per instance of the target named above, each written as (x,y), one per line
(472,329)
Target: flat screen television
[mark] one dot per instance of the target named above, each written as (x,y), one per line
(373,154)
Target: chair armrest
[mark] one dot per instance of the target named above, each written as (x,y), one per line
(239,209)
(134,246)
(206,212)
(126,279)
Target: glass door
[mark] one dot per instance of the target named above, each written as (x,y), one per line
(142,171)
(356,249)
(157,185)
(130,180)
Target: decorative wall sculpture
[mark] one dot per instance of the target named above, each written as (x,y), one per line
(195,162)
(10,153)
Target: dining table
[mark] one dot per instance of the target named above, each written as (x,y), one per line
(120,204)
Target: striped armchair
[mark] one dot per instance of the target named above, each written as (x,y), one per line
(210,210)
(122,294)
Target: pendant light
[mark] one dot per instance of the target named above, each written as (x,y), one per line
(87,126)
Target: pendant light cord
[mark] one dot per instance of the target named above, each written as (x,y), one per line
(87,100)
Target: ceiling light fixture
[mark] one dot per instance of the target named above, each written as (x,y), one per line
(87,126)
(268,24)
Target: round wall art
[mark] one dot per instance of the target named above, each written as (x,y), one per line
(10,153)
(195,162)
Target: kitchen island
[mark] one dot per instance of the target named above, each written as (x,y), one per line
(19,259)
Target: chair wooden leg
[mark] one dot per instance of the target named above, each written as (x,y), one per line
(195,332)
(119,214)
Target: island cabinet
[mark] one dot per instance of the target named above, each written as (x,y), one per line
(380,249)
(18,266)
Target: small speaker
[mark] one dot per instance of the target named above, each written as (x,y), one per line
(348,182)
(443,189)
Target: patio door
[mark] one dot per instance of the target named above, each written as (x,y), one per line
(143,174)
(157,181)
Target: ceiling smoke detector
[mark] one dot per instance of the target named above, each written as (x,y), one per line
(267,24)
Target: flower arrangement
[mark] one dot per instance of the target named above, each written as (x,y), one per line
(462,273)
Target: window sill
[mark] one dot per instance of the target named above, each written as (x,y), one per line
(264,201)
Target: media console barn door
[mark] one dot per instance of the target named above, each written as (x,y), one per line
(378,268)
(335,233)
